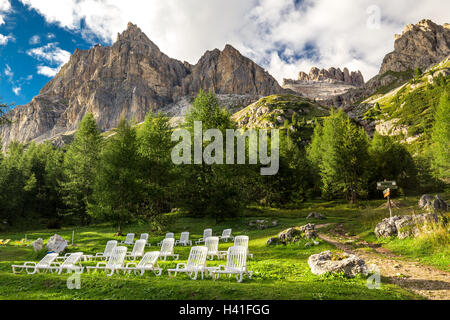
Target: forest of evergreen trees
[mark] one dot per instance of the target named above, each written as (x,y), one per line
(129,175)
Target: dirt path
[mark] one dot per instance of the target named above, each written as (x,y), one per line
(424,280)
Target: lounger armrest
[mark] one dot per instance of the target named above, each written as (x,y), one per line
(181,264)
(99,254)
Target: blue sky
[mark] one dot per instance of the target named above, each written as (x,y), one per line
(283,36)
(20,80)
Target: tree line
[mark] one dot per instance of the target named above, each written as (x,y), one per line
(129,176)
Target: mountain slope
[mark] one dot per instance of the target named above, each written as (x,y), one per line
(127,80)
(407,112)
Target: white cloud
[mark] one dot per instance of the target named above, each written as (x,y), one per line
(50,36)
(261,29)
(8,72)
(16,90)
(35,40)
(5,6)
(50,53)
(48,71)
(5,39)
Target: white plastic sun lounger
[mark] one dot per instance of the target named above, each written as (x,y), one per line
(138,250)
(114,263)
(33,267)
(72,263)
(129,239)
(196,263)
(212,243)
(206,233)
(184,240)
(110,245)
(168,236)
(226,235)
(149,262)
(236,264)
(167,249)
(144,236)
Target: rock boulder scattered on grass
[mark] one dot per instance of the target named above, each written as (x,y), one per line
(292,235)
(273,241)
(38,245)
(429,202)
(262,224)
(57,244)
(315,215)
(403,226)
(326,261)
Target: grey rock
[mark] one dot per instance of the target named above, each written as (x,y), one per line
(403,226)
(57,244)
(315,215)
(350,265)
(425,201)
(38,244)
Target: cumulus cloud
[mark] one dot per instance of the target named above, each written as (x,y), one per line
(35,40)
(284,36)
(5,6)
(51,54)
(17,90)
(5,39)
(47,71)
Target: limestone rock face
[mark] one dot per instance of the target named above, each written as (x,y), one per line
(127,80)
(419,46)
(325,262)
(322,85)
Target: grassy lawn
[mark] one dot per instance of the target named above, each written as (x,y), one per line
(279,272)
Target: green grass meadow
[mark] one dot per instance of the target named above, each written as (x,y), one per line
(280,272)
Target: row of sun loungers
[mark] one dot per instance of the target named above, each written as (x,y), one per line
(184,238)
(114,256)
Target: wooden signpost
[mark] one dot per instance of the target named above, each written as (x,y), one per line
(387,186)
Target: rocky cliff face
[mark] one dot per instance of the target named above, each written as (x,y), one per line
(127,80)
(322,85)
(332,75)
(419,46)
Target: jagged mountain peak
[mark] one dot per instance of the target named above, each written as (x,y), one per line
(419,46)
(127,80)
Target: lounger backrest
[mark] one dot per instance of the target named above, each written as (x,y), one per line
(212,243)
(129,238)
(237,257)
(149,258)
(197,257)
(139,247)
(72,259)
(170,235)
(47,260)
(110,245)
(241,241)
(184,237)
(167,245)
(207,233)
(117,257)
(144,236)
(226,233)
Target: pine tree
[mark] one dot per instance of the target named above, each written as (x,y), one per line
(80,165)
(118,184)
(441,139)
(340,152)
(154,148)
